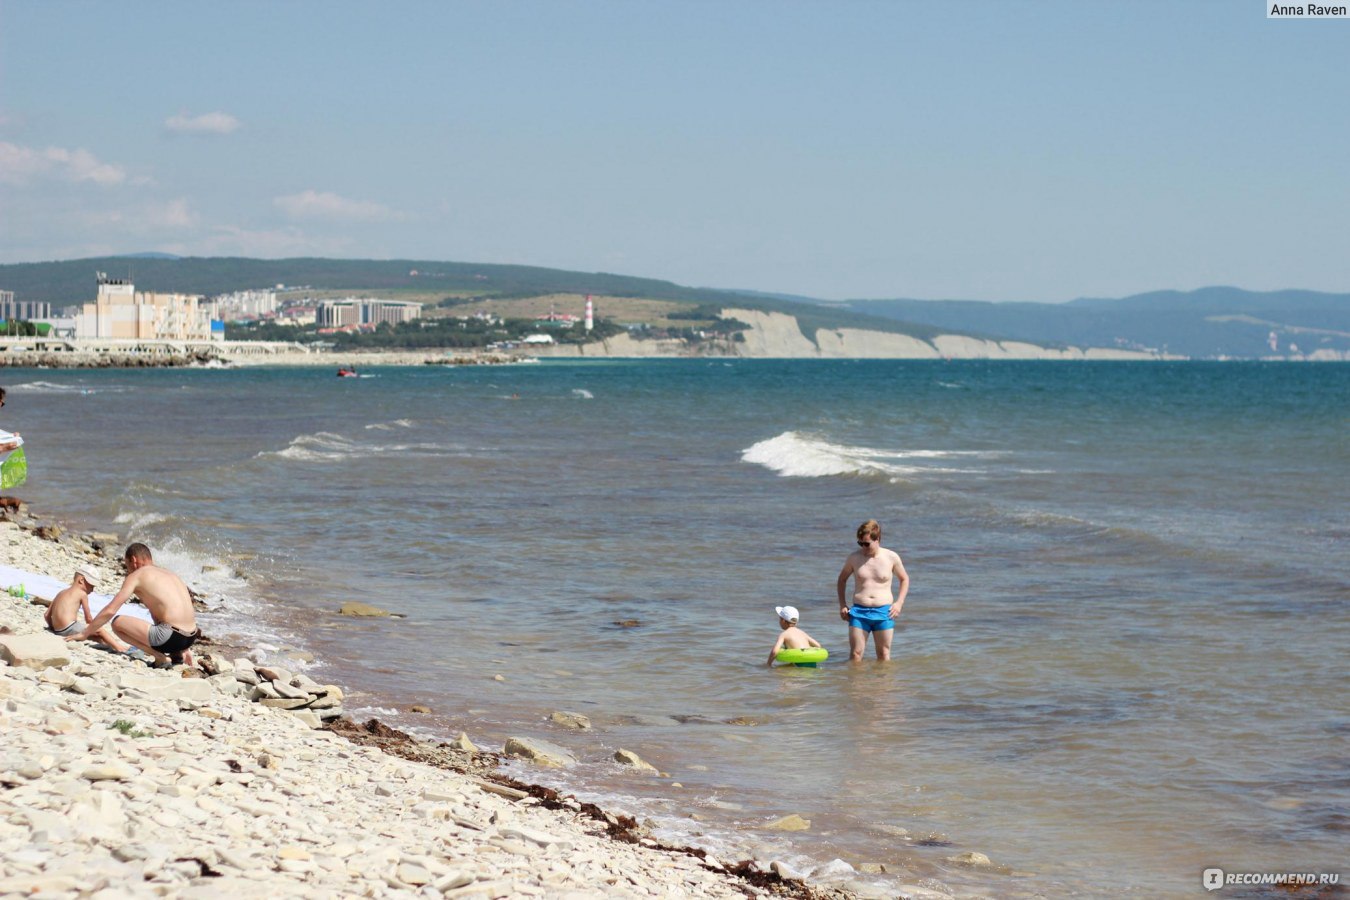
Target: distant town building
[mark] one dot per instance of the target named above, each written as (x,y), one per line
(365,311)
(296,315)
(120,311)
(245,303)
(25,310)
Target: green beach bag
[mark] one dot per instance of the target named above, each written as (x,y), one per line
(14,470)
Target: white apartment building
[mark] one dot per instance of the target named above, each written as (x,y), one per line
(364,311)
(245,303)
(120,311)
(22,310)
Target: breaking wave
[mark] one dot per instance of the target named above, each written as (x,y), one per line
(796,455)
(325,446)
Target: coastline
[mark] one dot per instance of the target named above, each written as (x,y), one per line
(104,758)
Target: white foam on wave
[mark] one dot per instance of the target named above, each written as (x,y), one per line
(137,521)
(582,394)
(50,387)
(325,446)
(796,455)
(235,607)
(390,426)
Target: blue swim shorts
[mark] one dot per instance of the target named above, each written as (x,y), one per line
(871,618)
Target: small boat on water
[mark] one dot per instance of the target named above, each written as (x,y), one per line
(347,372)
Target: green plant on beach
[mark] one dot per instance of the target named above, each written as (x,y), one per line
(128,728)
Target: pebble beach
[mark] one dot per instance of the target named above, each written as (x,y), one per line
(234,779)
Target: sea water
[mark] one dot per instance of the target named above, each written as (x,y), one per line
(1122,660)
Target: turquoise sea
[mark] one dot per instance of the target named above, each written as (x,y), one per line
(1123,659)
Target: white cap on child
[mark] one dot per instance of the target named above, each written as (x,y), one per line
(787,612)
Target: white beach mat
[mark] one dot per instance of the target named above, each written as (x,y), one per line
(46,587)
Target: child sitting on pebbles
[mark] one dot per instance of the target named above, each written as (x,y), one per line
(790,637)
(62,617)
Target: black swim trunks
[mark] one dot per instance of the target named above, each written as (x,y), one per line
(171,641)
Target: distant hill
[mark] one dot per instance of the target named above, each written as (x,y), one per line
(72,281)
(1211,322)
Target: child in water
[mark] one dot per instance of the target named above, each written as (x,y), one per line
(791,637)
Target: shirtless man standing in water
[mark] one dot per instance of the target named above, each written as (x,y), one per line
(871,566)
(170,605)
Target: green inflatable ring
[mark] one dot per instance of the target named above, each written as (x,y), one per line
(806,656)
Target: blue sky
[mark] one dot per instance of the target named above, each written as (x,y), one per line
(987,150)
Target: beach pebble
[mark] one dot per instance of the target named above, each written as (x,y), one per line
(419,708)
(34,651)
(463,744)
(410,873)
(58,677)
(632,760)
(362,610)
(113,771)
(791,822)
(575,721)
(532,836)
(970,859)
(289,691)
(835,868)
(539,752)
(274,674)
(226,683)
(305,683)
(786,872)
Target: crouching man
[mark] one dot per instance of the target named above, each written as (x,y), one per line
(170,605)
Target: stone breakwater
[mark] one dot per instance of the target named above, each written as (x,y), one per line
(46,360)
(120,781)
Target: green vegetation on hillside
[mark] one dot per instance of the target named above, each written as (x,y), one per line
(420,334)
(73,281)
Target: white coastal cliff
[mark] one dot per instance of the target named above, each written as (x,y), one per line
(773,335)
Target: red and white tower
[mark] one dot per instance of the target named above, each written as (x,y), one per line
(590,313)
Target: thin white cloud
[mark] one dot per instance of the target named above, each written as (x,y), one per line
(24,165)
(151,218)
(327,205)
(206,123)
(171,214)
(231,240)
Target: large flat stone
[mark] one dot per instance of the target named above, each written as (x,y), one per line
(34,651)
(167,687)
(541,753)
